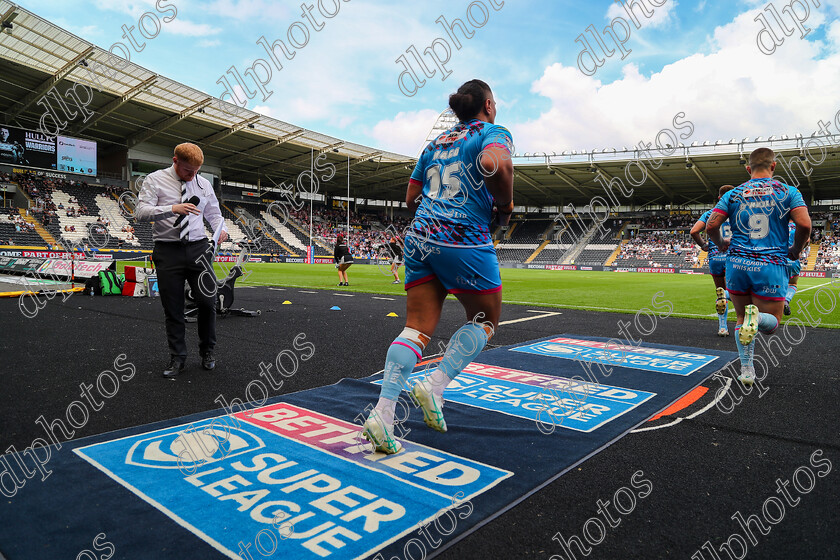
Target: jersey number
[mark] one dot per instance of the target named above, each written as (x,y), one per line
(449,179)
(759,226)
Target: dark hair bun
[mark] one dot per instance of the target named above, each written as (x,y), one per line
(468,101)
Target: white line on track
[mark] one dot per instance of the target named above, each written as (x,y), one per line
(342,295)
(543,316)
(385,298)
(720,394)
(305,292)
(276,289)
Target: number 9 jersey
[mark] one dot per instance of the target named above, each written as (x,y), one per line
(759,213)
(457,207)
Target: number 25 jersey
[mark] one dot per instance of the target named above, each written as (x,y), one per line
(457,207)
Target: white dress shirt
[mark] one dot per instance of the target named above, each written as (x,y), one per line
(161,190)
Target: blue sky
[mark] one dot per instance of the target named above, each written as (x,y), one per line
(696,57)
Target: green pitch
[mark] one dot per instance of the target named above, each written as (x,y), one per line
(690,295)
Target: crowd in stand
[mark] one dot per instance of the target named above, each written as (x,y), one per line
(367,232)
(647,244)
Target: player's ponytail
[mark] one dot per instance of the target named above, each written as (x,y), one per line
(468,101)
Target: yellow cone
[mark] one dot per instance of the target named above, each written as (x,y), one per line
(287,302)
(392,314)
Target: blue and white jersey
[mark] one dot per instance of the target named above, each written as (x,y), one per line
(725,232)
(457,207)
(792,234)
(759,213)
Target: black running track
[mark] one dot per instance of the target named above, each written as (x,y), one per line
(702,470)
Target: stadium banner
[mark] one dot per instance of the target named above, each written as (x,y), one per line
(625,355)
(812,274)
(292,470)
(20,265)
(66,268)
(585,407)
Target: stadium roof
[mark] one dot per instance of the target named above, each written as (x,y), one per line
(134,106)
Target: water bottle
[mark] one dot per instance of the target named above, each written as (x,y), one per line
(91,291)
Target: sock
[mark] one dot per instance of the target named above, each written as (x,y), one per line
(722,318)
(791,291)
(744,352)
(386,409)
(767,323)
(401,358)
(463,347)
(726,292)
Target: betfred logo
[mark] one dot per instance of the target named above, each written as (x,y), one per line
(194,446)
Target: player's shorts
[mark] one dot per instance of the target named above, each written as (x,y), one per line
(399,261)
(717,264)
(763,280)
(460,269)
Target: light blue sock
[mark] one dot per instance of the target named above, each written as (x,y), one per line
(463,348)
(767,323)
(722,318)
(744,352)
(726,292)
(791,291)
(401,358)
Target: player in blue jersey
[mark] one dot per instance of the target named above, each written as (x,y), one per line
(759,261)
(793,280)
(717,263)
(458,179)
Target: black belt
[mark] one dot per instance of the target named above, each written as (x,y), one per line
(168,242)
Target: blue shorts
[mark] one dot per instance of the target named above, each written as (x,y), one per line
(717,264)
(460,269)
(763,280)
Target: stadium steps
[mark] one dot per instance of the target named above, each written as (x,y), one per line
(264,230)
(45,235)
(581,244)
(812,257)
(615,254)
(542,246)
(509,232)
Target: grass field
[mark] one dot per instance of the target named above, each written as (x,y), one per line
(690,295)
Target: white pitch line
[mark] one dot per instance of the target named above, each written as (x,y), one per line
(305,292)
(276,289)
(385,298)
(543,316)
(344,295)
(812,287)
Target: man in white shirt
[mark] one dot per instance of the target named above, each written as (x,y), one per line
(177,200)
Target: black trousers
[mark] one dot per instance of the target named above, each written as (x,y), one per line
(192,262)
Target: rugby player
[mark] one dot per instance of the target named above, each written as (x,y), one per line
(759,261)
(792,281)
(448,249)
(717,263)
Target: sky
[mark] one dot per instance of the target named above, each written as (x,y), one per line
(340,71)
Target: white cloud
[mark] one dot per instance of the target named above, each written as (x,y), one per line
(209,43)
(186,28)
(659,17)
(733,91)
(406,132)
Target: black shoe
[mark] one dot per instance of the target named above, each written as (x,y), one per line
(173,368)
(208,362)
(787,308)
